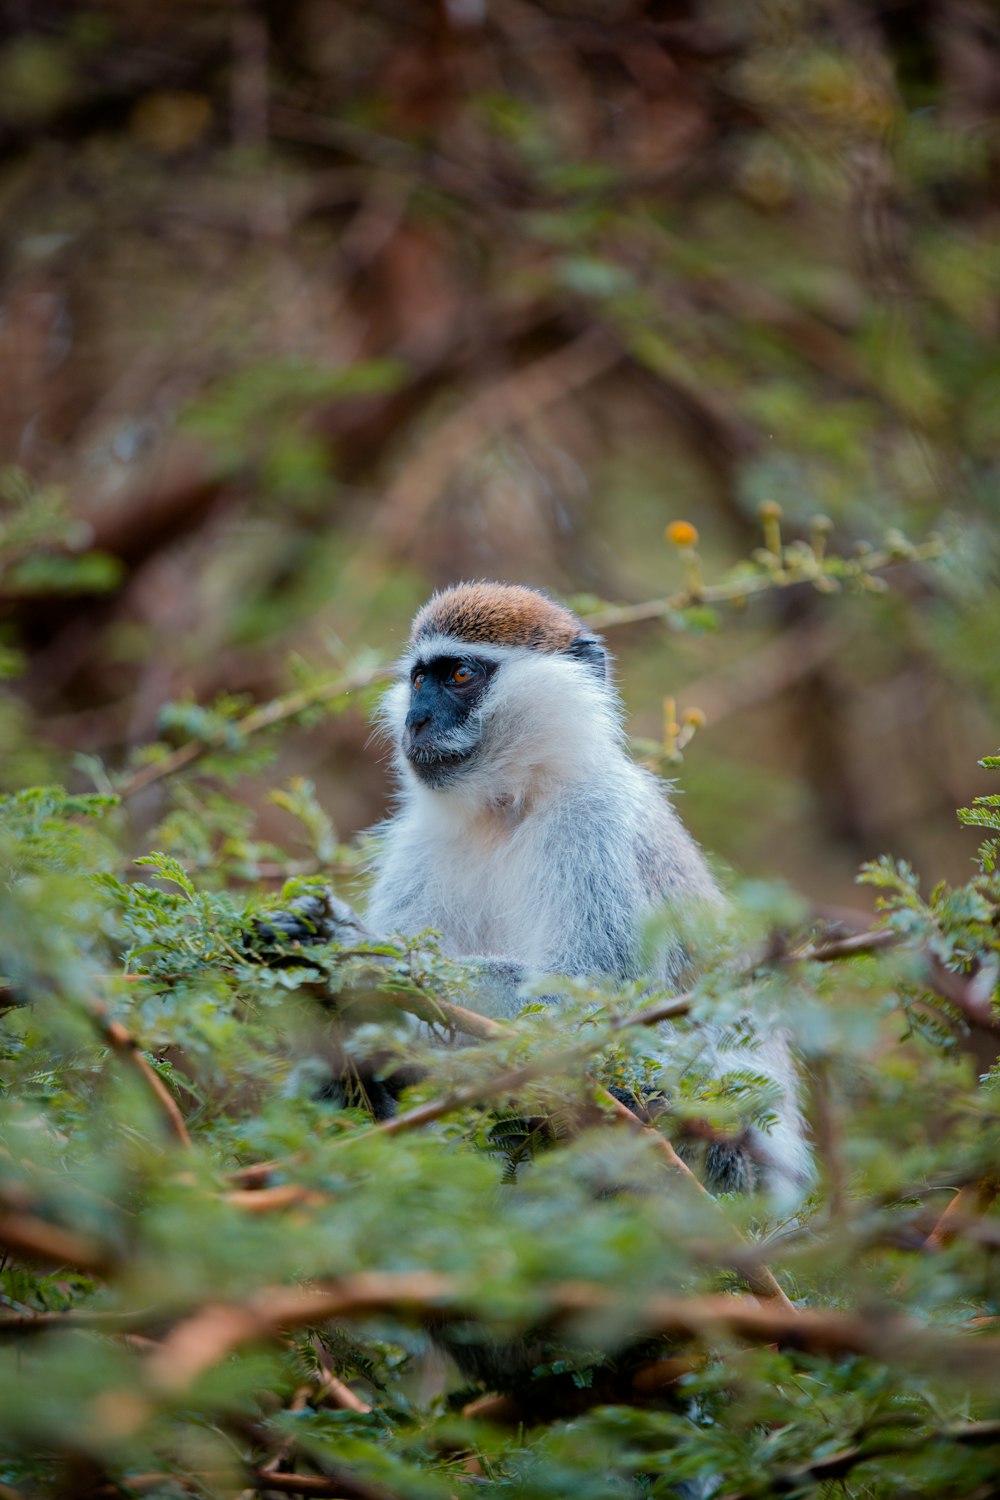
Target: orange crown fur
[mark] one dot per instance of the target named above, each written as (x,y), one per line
(498,614)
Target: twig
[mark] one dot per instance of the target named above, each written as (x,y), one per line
(267,1200)
(661,1374)
(277,711)
(972,1197)
(123,1043)
(332,1391)
(758,1277)
(472,1093)
(214,1331)
(965,993)
(828,1141)
(660,1144)
(283,1448)
(36,1239)
(834,1466)
(845,947)
(98,1322)
(254,1177)
(471,424)
(741,588)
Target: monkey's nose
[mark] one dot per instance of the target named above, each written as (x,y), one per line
(412,735)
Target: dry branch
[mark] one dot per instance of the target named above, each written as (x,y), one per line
(266,1200)
(972,994)
(19,1324)
(124,1045)
(34,1239)
(214,1332)
(334,1392)
(974,1197)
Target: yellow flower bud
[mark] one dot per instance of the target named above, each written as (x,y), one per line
(682,534)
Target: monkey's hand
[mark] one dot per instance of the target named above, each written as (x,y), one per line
(317,917)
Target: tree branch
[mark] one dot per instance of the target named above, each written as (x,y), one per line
(35,1239)
(123,1043)
(213,1332)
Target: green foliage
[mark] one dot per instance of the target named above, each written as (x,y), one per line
(173,1164)
(256,419)
(507,1209)
(985,813)
(780,225)
(44,549)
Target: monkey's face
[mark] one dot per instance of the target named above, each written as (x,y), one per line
(442,730)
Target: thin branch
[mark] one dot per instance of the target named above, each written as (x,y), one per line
(123,1043)
(828,1141)
(266,716)
(290,705)
(215,1331)
(267,1200)
(758,1277)
(835,1466)
(847,947)
(97,1322)
(254,1177)
(30,1238)
(333,1391)
(972,1197)
(965,992)
(283,1446)
(506,1082)
(738,589)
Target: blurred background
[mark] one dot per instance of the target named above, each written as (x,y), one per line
(309,307)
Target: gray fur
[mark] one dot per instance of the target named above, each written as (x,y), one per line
(546,853)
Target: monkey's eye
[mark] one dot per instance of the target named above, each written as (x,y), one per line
(418,681)
(461,675)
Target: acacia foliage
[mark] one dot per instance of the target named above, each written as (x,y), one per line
(215,1281)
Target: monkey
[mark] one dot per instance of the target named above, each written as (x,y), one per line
(527,837)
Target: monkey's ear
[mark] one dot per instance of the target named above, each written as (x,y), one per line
(590,650)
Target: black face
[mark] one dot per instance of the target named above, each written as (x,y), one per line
(438,740)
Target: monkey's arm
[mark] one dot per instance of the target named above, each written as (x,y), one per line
(322,917)
(318,917)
